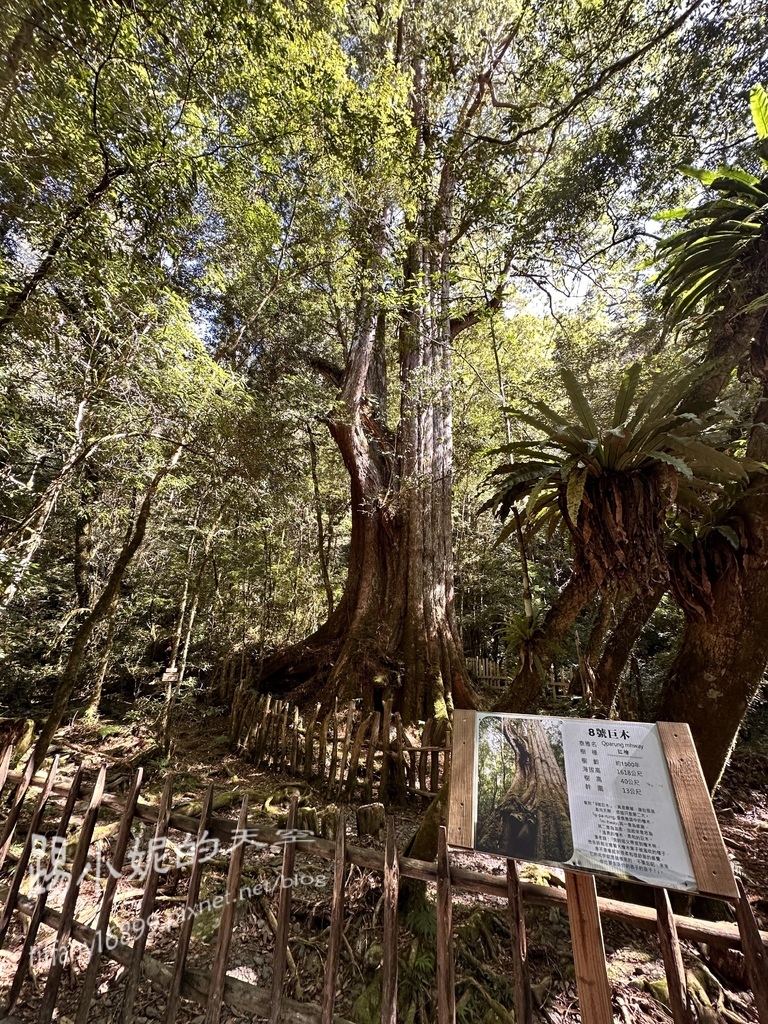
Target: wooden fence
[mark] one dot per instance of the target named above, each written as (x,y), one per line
(342,753)
(213,988)
(488,672)
(495,675)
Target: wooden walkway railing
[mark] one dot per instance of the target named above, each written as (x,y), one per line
(214,989)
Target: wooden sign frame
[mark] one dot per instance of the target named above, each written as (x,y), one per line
(709,859)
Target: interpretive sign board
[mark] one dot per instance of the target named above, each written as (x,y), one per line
(623,799)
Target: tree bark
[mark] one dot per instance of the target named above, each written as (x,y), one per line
(394,632)
(722,658)
(84,538)
(321,554)
(92,708)
(723,654)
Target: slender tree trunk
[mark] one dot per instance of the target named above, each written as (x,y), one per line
(178,631)
(188,637)
(98,612)
(174,693)
(180,615)
(32,528)
(84,539)
(14,56)
(74,215)
(174,690)
(526,579)
(621,641)
(92,708)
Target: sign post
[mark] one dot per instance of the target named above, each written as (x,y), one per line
(617,799)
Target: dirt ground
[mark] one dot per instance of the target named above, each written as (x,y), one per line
(483,963)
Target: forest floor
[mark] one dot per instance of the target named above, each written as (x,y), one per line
(483,962)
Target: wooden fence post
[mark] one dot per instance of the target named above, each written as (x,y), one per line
(345,748)
(226,923)
(389,946)
(147,904)
(281,760)
(37,913)
(402,784)
(79,862)
(102,924)
(588,949)
(26,853)
(295,741)
(337,921)
(755,957)
(334,750)
(323,749)
(283,916)
(522,979)
(426,741)
(5,765)
(673,959)
(446,991)
(439,733)
(273,723)
(185,933)
(354,759)
(309,743)
(15,810)
(372,741)
(263,729)
(386,723)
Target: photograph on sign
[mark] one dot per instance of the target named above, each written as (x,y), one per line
(522,797)
(579,793)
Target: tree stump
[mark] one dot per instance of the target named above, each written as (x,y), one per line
(306,820)
(330,821)
(370,820)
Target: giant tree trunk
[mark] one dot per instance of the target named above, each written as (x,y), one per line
(724,651)
(394,632)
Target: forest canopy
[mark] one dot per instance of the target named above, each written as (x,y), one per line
(345,345)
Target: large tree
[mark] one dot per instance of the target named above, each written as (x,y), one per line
(524,126)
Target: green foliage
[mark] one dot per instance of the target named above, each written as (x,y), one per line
(718,259)
(186,201)
(667,426)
